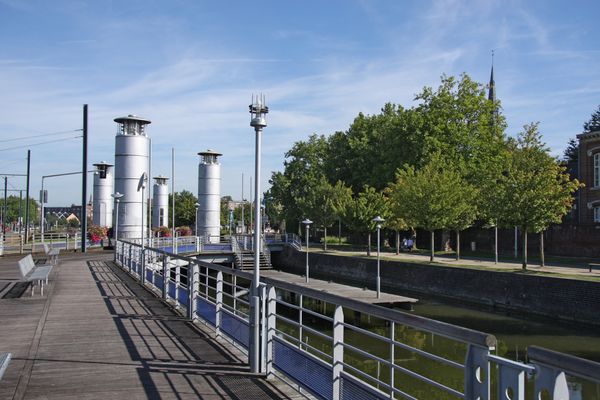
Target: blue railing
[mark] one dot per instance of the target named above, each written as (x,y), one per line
(339,348)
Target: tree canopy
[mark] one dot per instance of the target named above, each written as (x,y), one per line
(593,124)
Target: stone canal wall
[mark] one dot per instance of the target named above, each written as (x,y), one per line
(567,299)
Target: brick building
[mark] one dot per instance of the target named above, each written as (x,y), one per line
(589,173)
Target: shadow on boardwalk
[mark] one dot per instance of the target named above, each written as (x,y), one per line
(99,334)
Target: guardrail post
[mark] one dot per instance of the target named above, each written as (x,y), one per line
(511,379)
(477,373)
(130,258)
(192,284)
(269,331)
(219,301)
(263,346)
(143,266)
(165,269)
(392,356)
(177,280)
(338,351)
(552,380)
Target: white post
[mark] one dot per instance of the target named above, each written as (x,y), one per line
(307,223)
(338,351)
(219,301)
(378,220)
(192,284)
(378,264)
(271,300)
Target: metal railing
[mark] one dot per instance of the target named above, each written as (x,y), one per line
(339,348)
(14,243)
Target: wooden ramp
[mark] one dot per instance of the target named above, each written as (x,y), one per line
(96,334)
(350,292)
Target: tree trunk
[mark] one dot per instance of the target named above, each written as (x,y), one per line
(496,243)
(524,241)
(397,242)
(325,239)
(432,256)
(457,245)
(369,246)
(542,261)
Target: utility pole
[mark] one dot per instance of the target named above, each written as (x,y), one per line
(27,197)
(84,181)
(5,208)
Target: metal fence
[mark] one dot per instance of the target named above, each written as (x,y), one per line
(14,243)
(339,348)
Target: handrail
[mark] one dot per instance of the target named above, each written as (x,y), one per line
(210,293)
(576,366)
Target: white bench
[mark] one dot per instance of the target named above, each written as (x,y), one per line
(51,253)
(4,360)
(34,273)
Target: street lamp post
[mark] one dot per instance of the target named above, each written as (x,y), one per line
(307,223)
(197,205)
(378,220)
(117,196)
(258,112)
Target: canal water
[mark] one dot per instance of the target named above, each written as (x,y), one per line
(516,331)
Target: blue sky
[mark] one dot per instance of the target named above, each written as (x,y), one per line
(192,66)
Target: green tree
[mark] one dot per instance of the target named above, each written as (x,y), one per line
(571,153)
(593,124)
(326,203)
(13,204)
(185,208)
(535,189)
(303,169)
(360,211)
(434,197)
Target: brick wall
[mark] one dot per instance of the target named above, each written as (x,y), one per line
(565,299)
(589,144)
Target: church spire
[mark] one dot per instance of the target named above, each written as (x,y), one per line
(492,86)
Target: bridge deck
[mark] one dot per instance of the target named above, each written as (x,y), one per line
(97,334)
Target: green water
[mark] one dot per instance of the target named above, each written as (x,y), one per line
(514,334)
(516,331)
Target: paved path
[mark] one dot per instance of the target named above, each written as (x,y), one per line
(97,334)
(550,267)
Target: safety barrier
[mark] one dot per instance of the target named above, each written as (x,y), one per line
(339,348)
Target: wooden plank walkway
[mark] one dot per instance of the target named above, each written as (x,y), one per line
(98,334)
(349,292)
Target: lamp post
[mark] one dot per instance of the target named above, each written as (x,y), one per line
(258,112)
(117,196)
(141,187)
(378,220)
(307,223)
(197,205)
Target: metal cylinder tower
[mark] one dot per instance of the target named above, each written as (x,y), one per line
(208,215)
(160,202)
(103,188)
(132,148)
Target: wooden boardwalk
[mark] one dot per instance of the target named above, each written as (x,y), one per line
(97,334)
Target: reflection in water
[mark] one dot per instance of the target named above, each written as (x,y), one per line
(516,332)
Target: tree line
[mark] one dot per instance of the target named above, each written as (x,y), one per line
(442,164)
